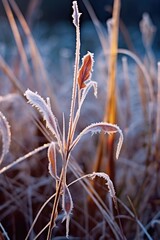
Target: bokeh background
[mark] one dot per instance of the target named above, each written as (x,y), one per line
(55,11)
(54,18)
(51,24)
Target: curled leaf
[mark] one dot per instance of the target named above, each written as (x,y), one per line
(76,15)
(44,108)
(101,127)
(52,161)
(67,205)
(109,183)
(86,69)
(6,136)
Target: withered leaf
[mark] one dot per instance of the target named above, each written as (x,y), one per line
(6,136)
(101,127)
(52,160)
(85,71)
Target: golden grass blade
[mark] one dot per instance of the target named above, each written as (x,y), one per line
(111,106)
(106,52)
(110,113)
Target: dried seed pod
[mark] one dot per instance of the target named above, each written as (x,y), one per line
(86,69)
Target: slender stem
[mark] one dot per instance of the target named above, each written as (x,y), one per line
(74,90)
(55,206)
(4,232)
(4,169)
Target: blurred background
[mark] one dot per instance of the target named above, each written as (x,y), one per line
(51,21)
(52,12)
(49,17)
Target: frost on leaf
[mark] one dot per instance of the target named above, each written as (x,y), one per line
(101,127)
(52,161)
(38,102)
(76,15)
(109,183)
(86,69)
(6,136)
(67,205)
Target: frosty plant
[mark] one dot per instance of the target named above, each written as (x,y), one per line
(5,135)
(82,83)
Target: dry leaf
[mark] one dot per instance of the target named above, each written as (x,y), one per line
(6,136)
(85,71)
(38,102)
(67,205)
(97,128)
(109,183)
(52,161)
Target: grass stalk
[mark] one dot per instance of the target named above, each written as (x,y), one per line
(75,85)
(16,36)
(111,107)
